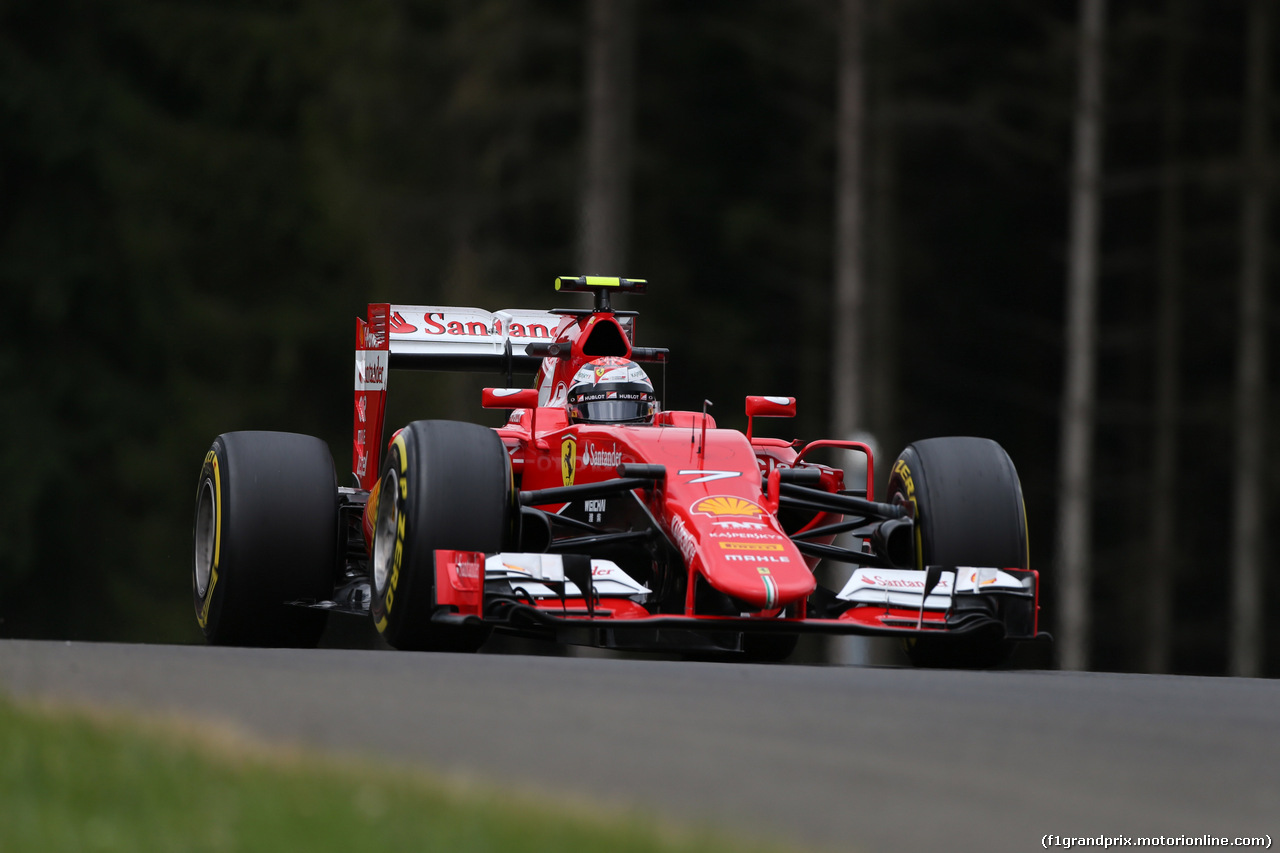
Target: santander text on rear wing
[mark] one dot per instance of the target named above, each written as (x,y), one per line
(440,338)
(428,337)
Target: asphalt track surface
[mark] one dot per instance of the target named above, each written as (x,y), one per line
(837,757)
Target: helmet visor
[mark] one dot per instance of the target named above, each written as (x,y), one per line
(615,408)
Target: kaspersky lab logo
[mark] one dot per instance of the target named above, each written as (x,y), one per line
(568,459)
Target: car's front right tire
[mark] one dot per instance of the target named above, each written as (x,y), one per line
(265,534)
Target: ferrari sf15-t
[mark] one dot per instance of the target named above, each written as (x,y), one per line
(595,517)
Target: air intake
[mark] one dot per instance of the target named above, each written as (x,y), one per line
(605,338)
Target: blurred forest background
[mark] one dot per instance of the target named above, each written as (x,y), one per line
(198,196)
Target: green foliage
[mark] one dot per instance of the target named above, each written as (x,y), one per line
(73,783)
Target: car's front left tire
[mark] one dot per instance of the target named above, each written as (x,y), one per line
(967,503)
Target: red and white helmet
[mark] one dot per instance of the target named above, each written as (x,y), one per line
(611,391)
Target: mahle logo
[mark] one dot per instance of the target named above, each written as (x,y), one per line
(568,459)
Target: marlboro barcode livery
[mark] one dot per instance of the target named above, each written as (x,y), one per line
(596,517)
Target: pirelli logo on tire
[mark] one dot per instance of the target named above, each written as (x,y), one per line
(211,462)
(398,554)
(900,468)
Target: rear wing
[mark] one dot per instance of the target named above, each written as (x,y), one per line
(442,338)
(426,337)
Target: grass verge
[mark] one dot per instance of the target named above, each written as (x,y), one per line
(78,780)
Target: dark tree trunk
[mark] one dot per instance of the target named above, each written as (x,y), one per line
(1162,546)
(1075,487)
(1250,405)
(849,375)
(606,196)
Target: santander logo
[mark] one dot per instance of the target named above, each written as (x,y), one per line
(594,457)
(683,538)
(399,326)
(902,583)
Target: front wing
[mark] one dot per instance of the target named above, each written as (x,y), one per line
(590,601)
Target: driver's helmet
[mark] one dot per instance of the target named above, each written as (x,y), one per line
(611,391)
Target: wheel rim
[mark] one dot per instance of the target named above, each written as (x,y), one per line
(384,534)
(206,537)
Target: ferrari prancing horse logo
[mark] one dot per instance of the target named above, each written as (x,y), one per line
(568,459)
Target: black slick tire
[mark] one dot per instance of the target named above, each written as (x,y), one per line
(969,512)
(445,485)
(265,533)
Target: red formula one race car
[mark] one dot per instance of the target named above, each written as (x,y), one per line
(594,517)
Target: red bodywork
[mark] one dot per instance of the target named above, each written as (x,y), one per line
(717,505)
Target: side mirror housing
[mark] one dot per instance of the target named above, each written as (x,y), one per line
(769,407)
(510,398)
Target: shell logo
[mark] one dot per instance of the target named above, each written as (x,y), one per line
(722,505)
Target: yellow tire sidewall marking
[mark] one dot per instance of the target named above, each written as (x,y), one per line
(211,459)
(900,468)
(389,596)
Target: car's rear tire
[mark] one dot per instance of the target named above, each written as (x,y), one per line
(265,533)
(969,512)
(446,485)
